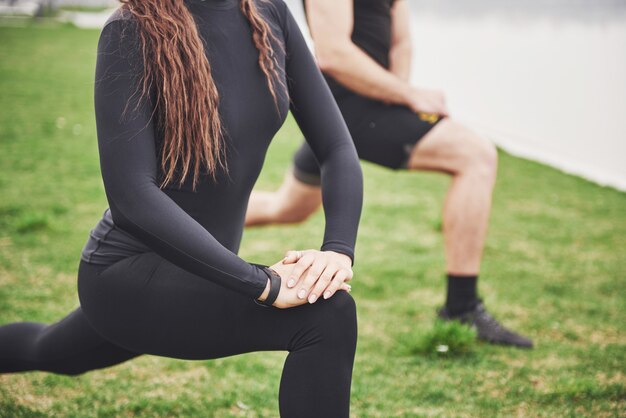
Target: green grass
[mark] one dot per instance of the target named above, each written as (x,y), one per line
(84,9)
(554,268)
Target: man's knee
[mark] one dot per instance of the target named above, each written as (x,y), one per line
(478,155)
(296,201)
(455,149)
(486,159)
(291,213)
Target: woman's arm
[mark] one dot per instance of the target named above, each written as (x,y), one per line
(322,124)
(322,273)
(128,161)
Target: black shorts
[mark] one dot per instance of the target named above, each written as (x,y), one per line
(383,134)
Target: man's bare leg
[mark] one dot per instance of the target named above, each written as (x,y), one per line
(293,202)
(472,162)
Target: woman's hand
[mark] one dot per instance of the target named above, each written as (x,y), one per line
(288,297)
(318,273)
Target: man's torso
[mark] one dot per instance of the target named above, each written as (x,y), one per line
(371,32)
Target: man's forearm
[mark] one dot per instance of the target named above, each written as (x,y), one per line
(358,72)
(400,60)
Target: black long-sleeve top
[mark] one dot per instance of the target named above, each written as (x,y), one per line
(200,231)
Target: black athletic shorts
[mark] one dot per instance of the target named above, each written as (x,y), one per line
(383,134)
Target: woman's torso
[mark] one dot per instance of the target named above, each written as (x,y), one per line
(249,118)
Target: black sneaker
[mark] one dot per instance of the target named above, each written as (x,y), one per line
(487,327)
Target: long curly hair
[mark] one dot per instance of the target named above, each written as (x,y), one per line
(177,70)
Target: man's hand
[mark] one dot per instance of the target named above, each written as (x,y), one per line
(426,101)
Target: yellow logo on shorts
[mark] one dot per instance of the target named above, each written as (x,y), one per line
(428,117)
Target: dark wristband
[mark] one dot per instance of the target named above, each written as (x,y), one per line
(275,282)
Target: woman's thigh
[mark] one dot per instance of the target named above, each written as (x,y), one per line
(148,305)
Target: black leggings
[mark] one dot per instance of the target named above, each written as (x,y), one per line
(146,305)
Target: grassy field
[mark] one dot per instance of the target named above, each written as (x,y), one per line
(554,269)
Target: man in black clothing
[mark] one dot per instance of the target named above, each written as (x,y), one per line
(363,47)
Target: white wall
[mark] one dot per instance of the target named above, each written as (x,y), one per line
(546,90)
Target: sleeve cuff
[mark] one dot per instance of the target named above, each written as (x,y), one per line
(263,277)
(339,248)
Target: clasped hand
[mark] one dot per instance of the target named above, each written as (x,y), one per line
(310,274)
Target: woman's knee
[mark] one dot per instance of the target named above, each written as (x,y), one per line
(329,322)
(343,307)
(69,370)
(337,317)
(46,357)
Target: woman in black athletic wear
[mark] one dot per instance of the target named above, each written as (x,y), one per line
(188,95)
